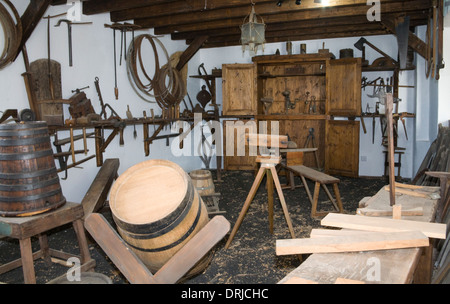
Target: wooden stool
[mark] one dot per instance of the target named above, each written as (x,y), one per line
(23,228)
(268,164)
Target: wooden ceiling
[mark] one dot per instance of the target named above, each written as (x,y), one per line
(220,19)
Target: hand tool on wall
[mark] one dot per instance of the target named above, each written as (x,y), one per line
(402,33)
(69,30)
(99,93)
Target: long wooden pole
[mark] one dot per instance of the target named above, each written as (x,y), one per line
(390,126)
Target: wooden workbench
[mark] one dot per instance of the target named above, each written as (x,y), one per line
(399,266)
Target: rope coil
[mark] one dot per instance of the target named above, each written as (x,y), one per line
(12,30)
(165,86)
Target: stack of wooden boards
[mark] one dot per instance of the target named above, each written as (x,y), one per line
(398,239)
(366,234)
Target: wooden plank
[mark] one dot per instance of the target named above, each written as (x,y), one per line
(347,281)
(314,175)
(116,249)
(432,230)
(99,189)
(353,243)
(418,211)
(297,280)
(180,263)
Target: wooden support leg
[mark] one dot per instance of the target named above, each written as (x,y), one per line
(45,249)
(338,198)
(27,261)
(270,198)
(315,199)
(330,197)
(282,201)
(249,199)
(82,241)
(306,188)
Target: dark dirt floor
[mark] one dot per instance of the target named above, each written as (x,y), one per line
(251,258)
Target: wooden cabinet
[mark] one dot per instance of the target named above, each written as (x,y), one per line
(303,94)
(239,89)
(344,87)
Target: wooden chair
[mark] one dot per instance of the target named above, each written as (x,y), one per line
(176,267)
(268,164)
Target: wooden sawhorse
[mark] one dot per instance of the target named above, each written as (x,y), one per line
(23,228)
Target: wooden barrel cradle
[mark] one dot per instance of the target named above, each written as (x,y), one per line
(29,183)
(203,181)
(157,210)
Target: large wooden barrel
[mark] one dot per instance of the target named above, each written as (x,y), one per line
(157,210)
(29,183)
(203,181)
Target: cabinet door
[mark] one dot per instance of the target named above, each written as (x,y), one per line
(239,89)
(344,87)
(237,154)
(342,148)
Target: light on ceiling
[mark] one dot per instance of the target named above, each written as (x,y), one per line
(253,32)
(298,2)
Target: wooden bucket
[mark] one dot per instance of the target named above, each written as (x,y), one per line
(157,210)
(203,181)
(29,183)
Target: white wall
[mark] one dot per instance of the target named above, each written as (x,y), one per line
(93,57)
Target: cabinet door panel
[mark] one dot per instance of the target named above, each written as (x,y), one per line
(237,153)
(239,89)
(344,87)
(342,148)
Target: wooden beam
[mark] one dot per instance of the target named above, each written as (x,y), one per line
(190,51)
(413,41)
(306,25)
(93,7)
(351,243)
(30,19)
(180,7)
(368,223)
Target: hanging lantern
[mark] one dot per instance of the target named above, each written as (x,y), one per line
(252,33)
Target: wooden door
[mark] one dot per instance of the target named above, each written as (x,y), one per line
(239,89)
(237,155)
(342,148)
(344,87)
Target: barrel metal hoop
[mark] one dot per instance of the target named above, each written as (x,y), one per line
(24,141)
(29,187)
(32,174)
(30,197)
(25,156)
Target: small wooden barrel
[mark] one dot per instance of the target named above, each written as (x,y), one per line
(157,210)
(203,182)
(29,183)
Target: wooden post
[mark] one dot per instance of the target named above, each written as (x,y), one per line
(389,107)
